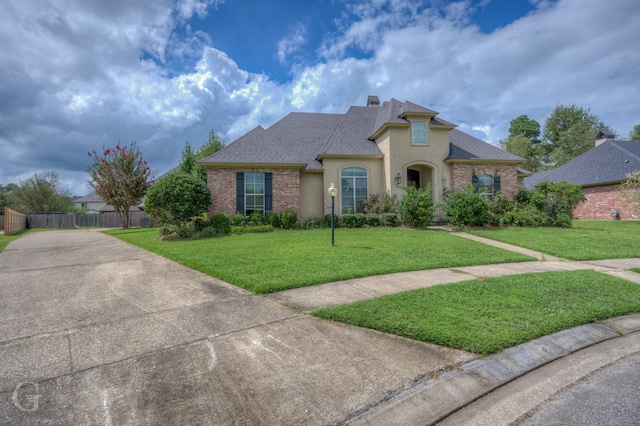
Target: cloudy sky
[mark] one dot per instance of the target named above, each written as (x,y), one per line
(79,74)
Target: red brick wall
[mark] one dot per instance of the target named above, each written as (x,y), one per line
(222,184)
(600,201)
(509,183)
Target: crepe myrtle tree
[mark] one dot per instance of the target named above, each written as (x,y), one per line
(120,177)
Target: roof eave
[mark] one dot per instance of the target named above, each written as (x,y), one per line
(324,156)
(480,161)
(254,165)
(384,128)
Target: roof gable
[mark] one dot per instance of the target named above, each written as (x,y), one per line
(463,146)
(609,162)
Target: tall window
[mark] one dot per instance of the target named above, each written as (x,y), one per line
(419,132)
(254,193)
(355,188)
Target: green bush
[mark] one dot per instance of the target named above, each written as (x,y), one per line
(499,206)
(466,208)
(349,220)
(313,223)
(525,215)
(379,203)
(207,232)
(361,220)
(416,208)
(288,219)
(177,199)
(220,222)
(273,220)
(255,229)
(256,218)
(389,219)
(337,221)
(374,219)
(238,219)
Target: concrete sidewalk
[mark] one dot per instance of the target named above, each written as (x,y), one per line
(93,330)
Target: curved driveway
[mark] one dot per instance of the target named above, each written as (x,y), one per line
(96,331)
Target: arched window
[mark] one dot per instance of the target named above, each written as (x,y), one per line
(354,183)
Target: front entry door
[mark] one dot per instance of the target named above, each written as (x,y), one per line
(413,178)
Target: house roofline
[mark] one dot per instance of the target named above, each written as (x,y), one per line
(323,156)
(384,128)
(481,161)
(254,165)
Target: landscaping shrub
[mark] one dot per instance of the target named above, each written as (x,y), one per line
(220,223)
(337,221)
(207,232)
(389,219)
(374,219)
(199,224)
(256,218)
(349,220)
(379,203)
(313,223)
(499,207)
(361,220)
(466,208)
(416,207)
(177,199)
(525,215)
(273,220)
(288,219)
(255,229)
(238,219)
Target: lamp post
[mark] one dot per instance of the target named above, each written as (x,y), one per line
(333,191)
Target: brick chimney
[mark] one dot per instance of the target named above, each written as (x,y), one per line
(373,101)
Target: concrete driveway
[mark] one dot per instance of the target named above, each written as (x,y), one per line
(93,330)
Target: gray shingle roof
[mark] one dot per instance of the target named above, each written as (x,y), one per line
(609,162)
(466,147)
(302,138)
(91,197)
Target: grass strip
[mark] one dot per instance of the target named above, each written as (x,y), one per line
(586,240)
(275,261)
(487,316)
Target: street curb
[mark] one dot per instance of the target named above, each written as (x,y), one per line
(435,399)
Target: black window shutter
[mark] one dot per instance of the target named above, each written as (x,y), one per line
(496,183)
(240,192)
(268,193)
(475,181)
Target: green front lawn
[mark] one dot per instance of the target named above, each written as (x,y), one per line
(587,240)
(275,261)
(487,316)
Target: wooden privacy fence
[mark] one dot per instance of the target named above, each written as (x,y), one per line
(52,221)
(14,221)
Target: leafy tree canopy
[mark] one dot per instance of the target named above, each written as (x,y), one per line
(569,132)
(524,141)
(525,127)
(120,177)
(635,133)
(189,161)
(39,194)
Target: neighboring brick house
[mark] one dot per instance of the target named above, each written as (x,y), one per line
(371,149)
(599,172)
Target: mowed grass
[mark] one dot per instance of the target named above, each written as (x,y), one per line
(488,316)
(263,263)
(587,240)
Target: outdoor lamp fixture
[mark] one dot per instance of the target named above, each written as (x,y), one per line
(333,191)
(398,179)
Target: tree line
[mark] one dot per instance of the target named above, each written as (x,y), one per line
(567,133)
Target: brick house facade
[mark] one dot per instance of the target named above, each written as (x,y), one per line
(372,149)
(601,201)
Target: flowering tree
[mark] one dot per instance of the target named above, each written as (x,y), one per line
(630,189)
(120,177)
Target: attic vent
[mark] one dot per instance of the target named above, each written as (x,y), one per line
(373,101)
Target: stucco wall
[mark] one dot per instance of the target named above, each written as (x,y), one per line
(222,184)
(600,201)
(510,185)
(333,166)
(311,200)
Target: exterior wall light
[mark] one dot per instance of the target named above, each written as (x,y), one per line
(398,179)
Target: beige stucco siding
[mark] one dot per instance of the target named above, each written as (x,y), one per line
(311,200)
(400,154)
(333,167)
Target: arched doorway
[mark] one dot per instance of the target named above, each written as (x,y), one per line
(419,176)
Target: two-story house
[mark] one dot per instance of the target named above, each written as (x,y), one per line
(373,149)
